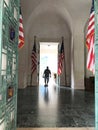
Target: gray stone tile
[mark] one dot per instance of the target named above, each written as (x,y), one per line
(49,107)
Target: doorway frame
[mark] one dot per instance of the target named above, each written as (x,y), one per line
(47,44)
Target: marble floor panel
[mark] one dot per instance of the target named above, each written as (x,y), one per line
(86,128)
(55,106)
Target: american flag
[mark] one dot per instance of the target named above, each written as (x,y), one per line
(90,41)
(34,57)
(60,59)
(21,31)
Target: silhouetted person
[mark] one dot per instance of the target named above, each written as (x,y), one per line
(46,75)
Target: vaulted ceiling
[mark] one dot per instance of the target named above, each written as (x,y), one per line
(61,13)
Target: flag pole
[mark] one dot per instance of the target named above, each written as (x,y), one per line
(64,62)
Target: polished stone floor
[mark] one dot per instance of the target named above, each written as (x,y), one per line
(55,106)
(62,128)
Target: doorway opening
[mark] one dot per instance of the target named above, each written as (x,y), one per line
(48,57)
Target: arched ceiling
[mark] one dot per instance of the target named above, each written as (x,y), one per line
(73,6)
(64,13)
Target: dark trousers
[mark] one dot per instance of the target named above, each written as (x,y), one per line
(46,80)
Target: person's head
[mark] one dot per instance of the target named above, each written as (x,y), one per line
(47,67)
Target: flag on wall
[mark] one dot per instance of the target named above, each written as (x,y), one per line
(21,31)
(61,58)
(90,41)
(34,57)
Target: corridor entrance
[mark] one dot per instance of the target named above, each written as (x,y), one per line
(48,57)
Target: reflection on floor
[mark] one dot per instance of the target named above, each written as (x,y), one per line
(55,106)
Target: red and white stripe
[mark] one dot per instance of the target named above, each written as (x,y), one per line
(61,59)
(91,56)
(90,43)
(34,58)
(60,64)
(21,32)
(34,61)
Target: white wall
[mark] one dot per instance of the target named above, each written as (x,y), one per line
(49,22)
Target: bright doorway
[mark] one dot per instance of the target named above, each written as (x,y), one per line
(48,57)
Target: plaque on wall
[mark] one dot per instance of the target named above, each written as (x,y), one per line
(10,92)
(12,33)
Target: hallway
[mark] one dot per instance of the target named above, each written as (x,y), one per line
(55,107)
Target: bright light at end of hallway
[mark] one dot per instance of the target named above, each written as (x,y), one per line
(48,57)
